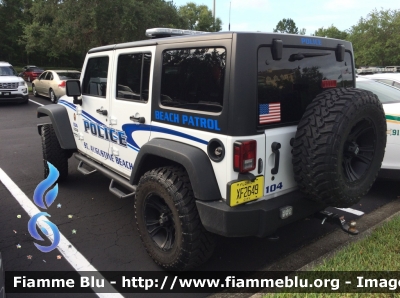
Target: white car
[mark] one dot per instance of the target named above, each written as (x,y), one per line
(390,98)
(391,79)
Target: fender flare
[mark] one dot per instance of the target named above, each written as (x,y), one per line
(194,160)
(59,118)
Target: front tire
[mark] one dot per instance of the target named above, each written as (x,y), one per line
(34,92)
(168,222)
(339,146)
(53,153)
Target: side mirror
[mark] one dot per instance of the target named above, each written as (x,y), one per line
(73,89)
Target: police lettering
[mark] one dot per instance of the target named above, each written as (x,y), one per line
(311,41)
(103,132)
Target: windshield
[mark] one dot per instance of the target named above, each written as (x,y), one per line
(385,93)
(7,71)
(69,75)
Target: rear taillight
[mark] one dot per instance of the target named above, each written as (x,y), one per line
(62,84)
(244,156)
(328,84)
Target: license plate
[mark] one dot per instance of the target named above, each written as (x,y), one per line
(240,192)
(4,93)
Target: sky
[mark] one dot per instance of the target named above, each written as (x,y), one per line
(264,15)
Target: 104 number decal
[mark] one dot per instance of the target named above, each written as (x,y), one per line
(273,187)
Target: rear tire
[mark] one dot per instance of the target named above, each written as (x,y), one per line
(168,222)
(339,146)
(52,95)
(53,153)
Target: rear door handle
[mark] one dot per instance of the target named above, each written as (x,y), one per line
(137,119)
(275,146)
(101,111)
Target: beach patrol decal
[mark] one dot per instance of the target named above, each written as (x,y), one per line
(187,120)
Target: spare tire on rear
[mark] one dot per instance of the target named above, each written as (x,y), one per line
(339,146)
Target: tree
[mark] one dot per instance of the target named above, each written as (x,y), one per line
(65,30)
(14,16)
(199,17)
(331,32)
(376,39)
(288,26)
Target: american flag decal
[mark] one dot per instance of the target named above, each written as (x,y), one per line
(270,112)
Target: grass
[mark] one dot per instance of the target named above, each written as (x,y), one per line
(380,251)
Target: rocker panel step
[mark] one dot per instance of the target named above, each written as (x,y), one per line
(115,178)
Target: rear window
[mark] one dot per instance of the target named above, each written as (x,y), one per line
(287,86)
(69,75)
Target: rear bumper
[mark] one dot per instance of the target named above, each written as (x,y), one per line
(14,97)
(257,219)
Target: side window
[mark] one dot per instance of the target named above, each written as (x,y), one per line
(95,79)
(193,79)
(43,75)
(49,76)
(133,76)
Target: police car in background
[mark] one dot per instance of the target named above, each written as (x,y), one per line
(229,133)
(391,79)
(390,98)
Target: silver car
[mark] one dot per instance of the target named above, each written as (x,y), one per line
(51,83)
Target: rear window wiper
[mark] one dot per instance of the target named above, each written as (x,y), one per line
(301,56)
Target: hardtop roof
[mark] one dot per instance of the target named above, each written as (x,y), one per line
(217,36)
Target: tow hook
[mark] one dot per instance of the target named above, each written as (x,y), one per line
(335,219)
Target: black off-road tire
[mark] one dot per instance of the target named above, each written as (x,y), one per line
(339,146)
(53,153)
(165,206)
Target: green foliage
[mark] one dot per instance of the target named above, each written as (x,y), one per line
(199,17)
(60,32)
(14,14)
(376,39)
(331,32)
(288,26)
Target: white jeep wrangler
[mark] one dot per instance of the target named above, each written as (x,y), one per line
(235,134)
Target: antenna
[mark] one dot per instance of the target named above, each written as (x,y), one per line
(230,2)
(214,10)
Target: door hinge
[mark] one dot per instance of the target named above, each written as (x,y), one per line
(114,151)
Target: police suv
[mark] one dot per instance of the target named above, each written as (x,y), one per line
(228,133)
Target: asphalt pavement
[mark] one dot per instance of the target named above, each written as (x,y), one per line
(102,228)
